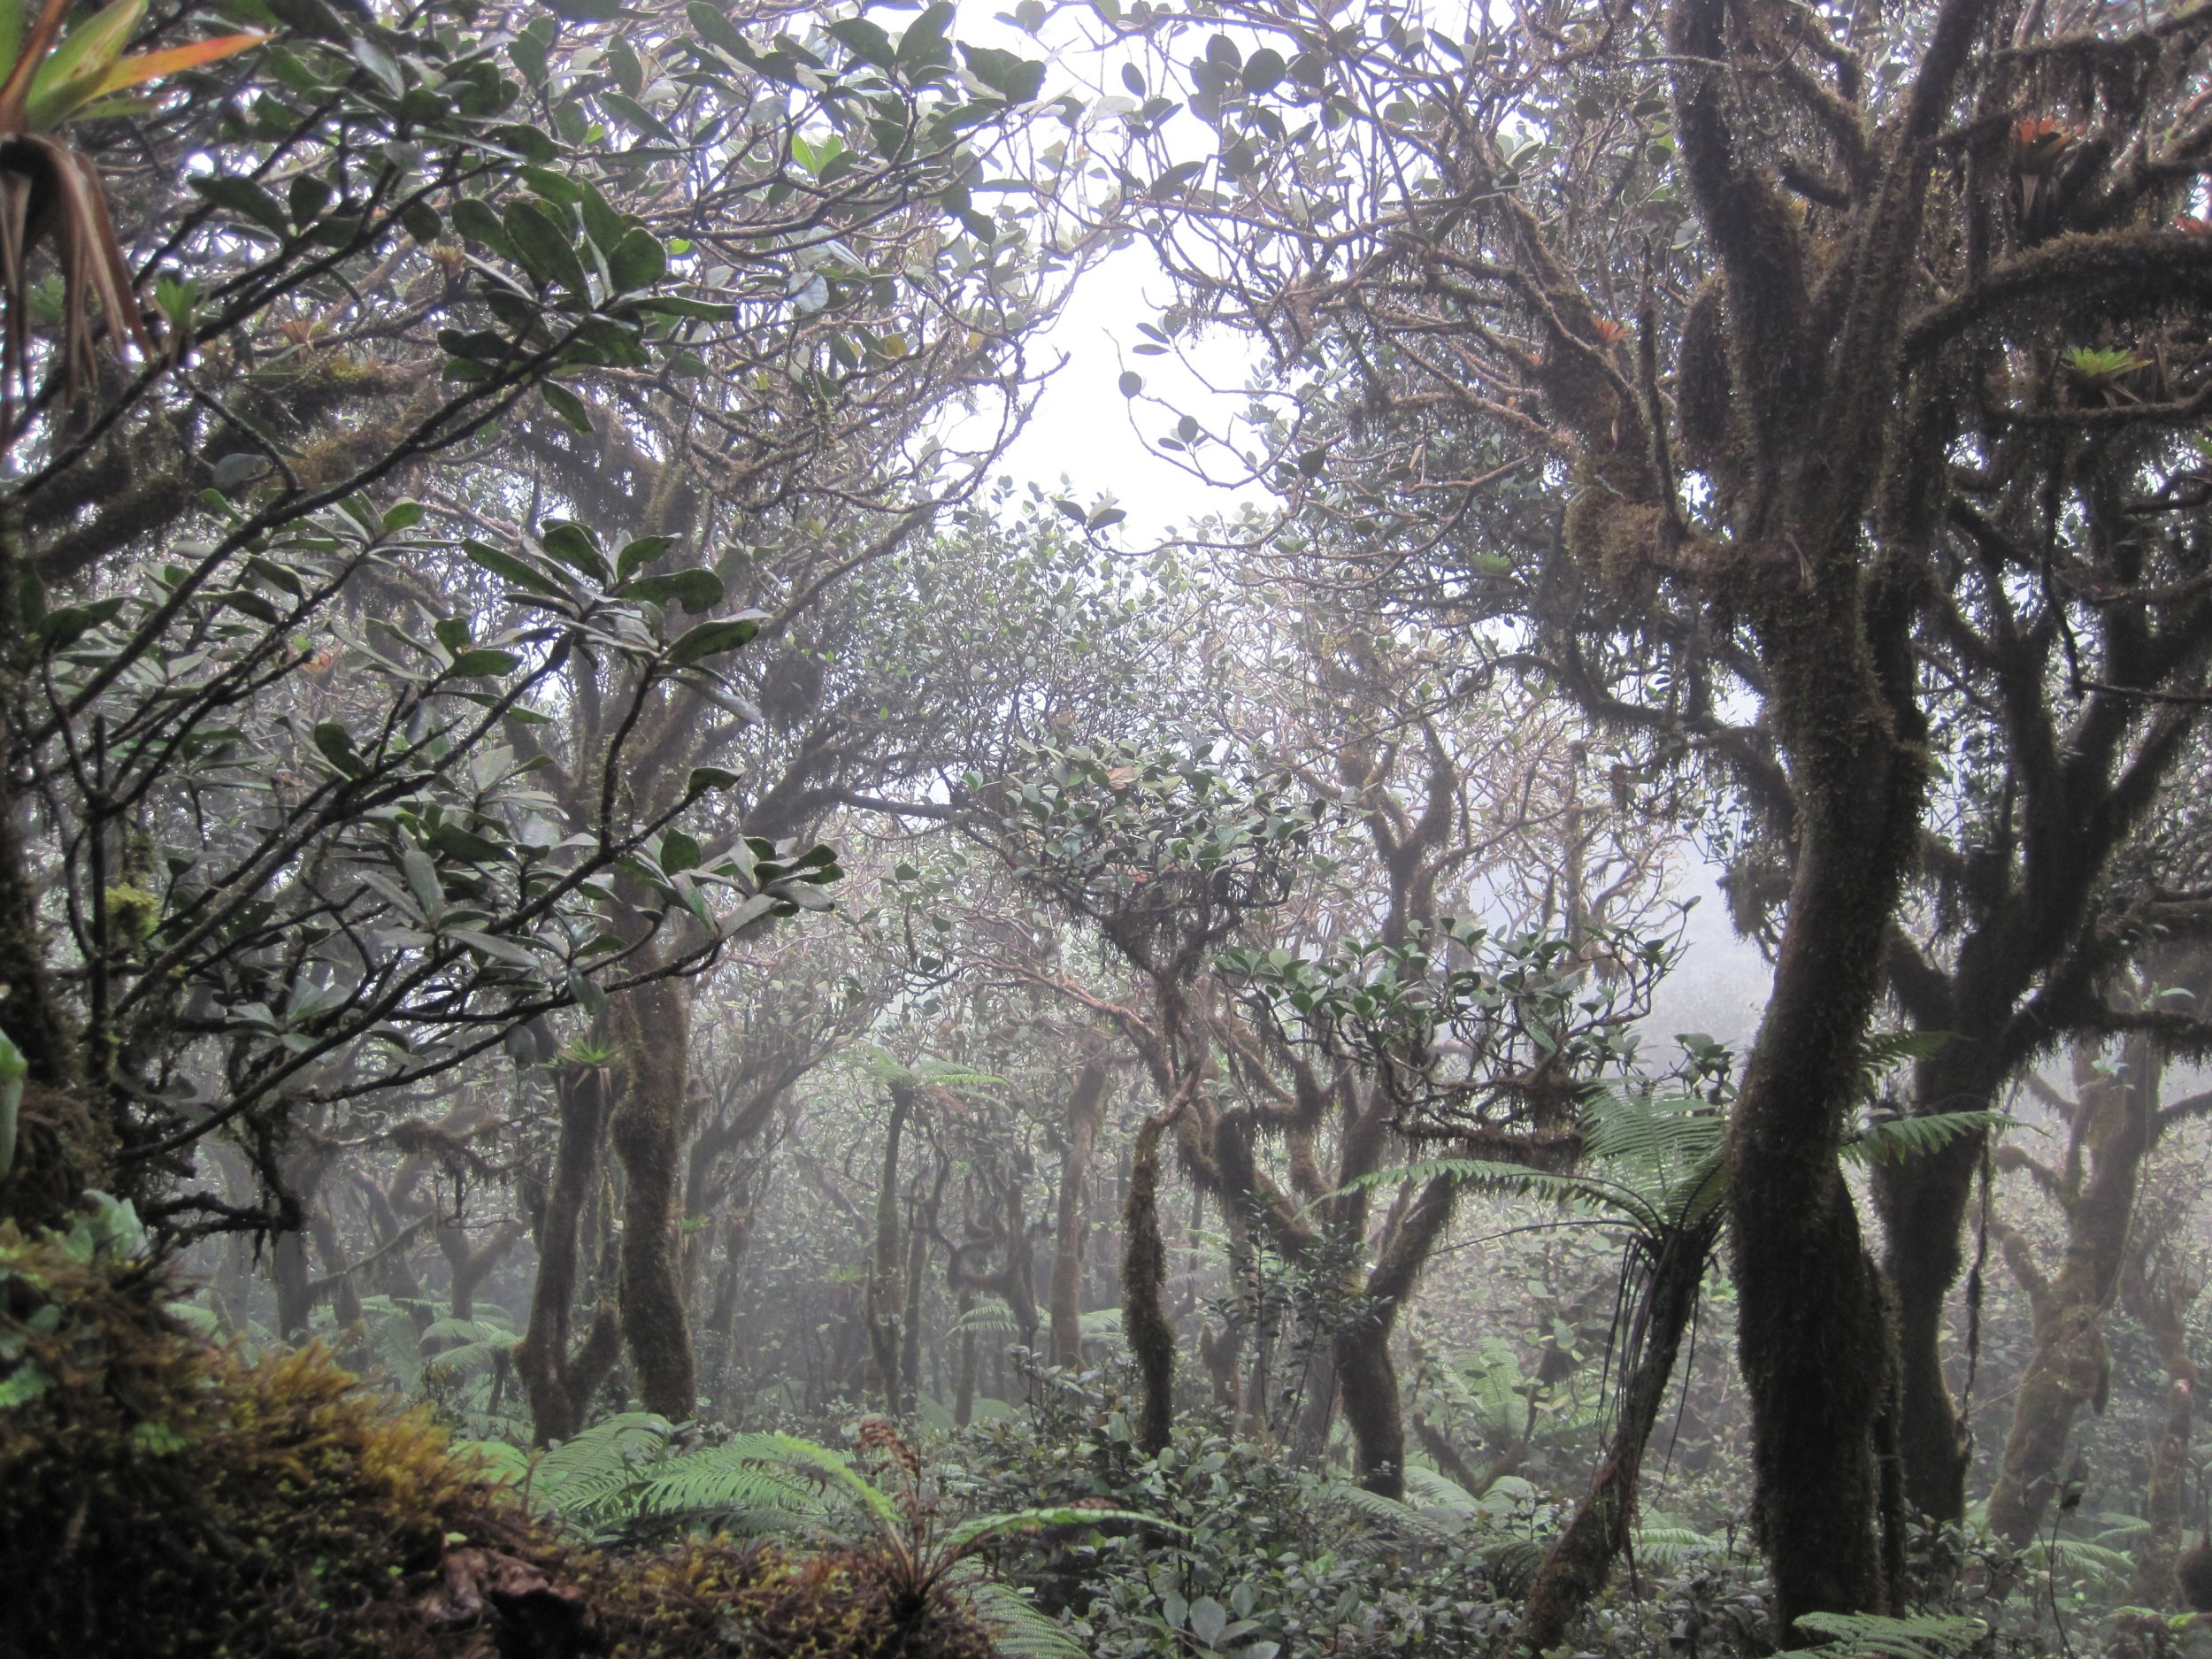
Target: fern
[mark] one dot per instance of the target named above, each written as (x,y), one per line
(1898,1140)
(736,1489)
(590,1478)
(1872,1636)
(1663,1546)
(1102,1325)
(993,1315)
(1438,1492)
(1438,1526)
(1018,1630)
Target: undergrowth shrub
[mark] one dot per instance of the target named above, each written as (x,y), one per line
(164,1498)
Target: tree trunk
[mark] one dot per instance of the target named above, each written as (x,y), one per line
(648,1129)
(2116,1117)
(1086,1110)
(559,1385)
(1144,1321)
(1575,1568)
(964,1376)
(921,1228)
(1814,1330)
(884,1310)
(469,1266)
(1922,1202)
(289,1270)
(2158,1292)
(1367,1378)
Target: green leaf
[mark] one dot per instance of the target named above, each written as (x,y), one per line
(697,591)
(716,29)
(865,41)
(567,405)
(638,553)
(542,247)
(710,639)
(473,218)
(638,261)
(704,780)
(513,568)
(422,878)
(575,547)
(456,842)
(58,630)
(485,663)
(1263,71)
(678,853)
(336,744)
(244,197)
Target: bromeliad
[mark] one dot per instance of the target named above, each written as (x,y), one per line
(49,189)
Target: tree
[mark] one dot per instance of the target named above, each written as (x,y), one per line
(1795,311)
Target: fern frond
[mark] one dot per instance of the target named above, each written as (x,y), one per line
(1102,1325)
(992,1314)
(1663,1547)
(1441,1525)
(1896,1139)
(589,1476)
(964,1538)
(1437,1492)
(1872,1636)
(736,1491)
(1018,1630)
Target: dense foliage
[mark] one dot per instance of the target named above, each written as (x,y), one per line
(645,1009)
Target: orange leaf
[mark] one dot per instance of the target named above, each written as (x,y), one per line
(136,71)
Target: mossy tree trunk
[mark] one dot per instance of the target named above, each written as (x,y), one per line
(558,1381)
(1366,1376)
(647,1129)
(1922,1202)
(1086,1110)
(1144,1321)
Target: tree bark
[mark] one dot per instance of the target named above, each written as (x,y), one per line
(559,1384)
(2116,1120)
(647,1128)
(1367,1378)
(1086,1110)
(468,1266)
(1144,1321)
(1813,1329)
(1922,1202)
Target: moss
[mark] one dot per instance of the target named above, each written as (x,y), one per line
(60,1149)
(163,1498)
(1611,539)
(133,913)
